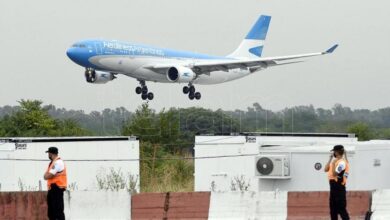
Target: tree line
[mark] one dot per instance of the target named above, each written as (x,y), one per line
(32,118)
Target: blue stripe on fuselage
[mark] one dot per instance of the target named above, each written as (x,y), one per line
(104,47)
(82,51)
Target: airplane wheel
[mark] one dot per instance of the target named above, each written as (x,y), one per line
(138,90)
(150,96)
(198,95)
(144,96)
(191,96)
(186,89)
(90,76)
(192,89)
(145,90)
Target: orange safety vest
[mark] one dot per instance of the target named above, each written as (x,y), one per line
(342,176)
(59,178)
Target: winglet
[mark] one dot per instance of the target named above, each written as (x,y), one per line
(330,50)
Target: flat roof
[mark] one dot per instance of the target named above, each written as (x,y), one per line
(66,139)
(284,134)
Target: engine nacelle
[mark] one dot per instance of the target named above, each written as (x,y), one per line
(180,74)
(98,77)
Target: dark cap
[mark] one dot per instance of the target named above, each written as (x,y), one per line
(338,148)
(52,150)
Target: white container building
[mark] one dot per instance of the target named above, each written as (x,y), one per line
(288,162)
(23,161)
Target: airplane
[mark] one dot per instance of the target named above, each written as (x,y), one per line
(104,59)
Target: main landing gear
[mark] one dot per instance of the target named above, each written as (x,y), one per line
(190,90)
(143,90)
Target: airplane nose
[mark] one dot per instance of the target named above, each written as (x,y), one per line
(79,56)
(75,55)
(70,53)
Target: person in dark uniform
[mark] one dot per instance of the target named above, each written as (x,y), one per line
(56,185)
(338,171)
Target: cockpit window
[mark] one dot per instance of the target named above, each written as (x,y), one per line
(79,45)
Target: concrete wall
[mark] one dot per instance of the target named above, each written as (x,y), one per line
(381,205)
(248,205)
(194,205)
(97,205)
(315,205)
(78,205)
(23,205)
(170,205)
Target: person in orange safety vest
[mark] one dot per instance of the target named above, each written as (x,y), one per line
(56,185)
(338,171)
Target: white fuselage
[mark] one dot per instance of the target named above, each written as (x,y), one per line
(133,66)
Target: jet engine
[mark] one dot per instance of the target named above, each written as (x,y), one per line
(98,77)
(180,74)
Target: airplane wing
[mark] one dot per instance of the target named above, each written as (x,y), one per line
(205,67)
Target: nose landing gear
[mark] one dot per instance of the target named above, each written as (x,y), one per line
(90,75)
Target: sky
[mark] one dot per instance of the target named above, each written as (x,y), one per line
(34,36)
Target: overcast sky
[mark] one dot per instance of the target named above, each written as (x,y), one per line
(35,35)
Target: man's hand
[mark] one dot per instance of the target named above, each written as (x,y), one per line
(47,176)
(326,169)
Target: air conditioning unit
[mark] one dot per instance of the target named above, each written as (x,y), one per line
(273,166)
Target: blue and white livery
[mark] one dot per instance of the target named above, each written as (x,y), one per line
(103,59)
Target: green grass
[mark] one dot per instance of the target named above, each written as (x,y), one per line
(167,175)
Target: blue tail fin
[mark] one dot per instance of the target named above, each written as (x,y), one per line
(260,29)
(252,45)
